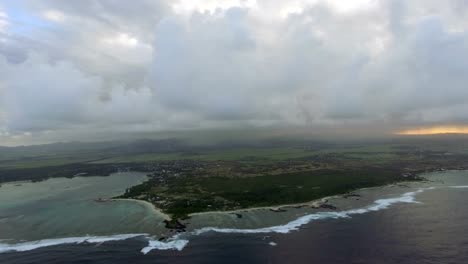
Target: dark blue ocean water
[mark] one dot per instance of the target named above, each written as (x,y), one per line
(433,231)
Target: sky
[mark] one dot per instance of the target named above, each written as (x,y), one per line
(71,70)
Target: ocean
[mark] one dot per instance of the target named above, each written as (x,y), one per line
(405,223)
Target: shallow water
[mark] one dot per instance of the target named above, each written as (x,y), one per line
(61,207)
(417,223)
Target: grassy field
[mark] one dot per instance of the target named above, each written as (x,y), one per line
(223,155)
(380,154)
(41,162)
(372,153)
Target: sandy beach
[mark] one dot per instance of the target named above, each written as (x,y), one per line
(153,208)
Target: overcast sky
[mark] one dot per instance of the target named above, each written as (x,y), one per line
(72,69)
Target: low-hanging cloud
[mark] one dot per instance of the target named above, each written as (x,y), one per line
(103,65)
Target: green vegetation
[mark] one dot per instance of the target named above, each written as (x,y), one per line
(214,155)
(186,179)
(182,196)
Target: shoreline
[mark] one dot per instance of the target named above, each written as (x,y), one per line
(175,241)
(167,240)
(152,207)
(313,204)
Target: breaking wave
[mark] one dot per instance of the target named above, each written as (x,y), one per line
(30,245)
(295,224)
(377,205)
(179,241)
(174,243)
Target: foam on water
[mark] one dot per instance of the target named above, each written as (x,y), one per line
(174,243)
(30,245)
(179,241)
(459,187)
(295,224)
(381,204)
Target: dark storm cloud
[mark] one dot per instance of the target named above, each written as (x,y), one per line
(71,66)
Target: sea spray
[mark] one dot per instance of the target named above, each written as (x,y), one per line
(173,243)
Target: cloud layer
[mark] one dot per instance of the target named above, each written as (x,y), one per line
(115,66)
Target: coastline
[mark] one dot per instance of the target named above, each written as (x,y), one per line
(374,201)
(151,206)
(313,204)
